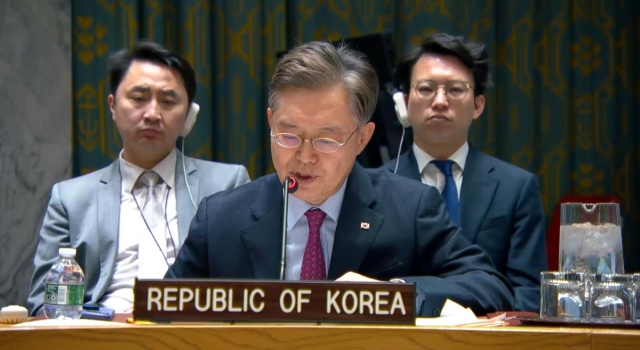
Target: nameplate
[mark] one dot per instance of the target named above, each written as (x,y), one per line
(273,301)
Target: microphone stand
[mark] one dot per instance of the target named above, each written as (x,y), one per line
(283,257)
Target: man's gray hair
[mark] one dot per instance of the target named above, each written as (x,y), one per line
(319,64)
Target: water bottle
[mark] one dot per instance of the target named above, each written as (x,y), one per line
(64,287)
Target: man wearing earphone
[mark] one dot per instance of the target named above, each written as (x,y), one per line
(129,220)
(498,205)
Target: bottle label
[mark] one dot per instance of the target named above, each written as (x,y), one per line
(63,294)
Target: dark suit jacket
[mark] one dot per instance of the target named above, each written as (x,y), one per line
(501,211)
(237,234)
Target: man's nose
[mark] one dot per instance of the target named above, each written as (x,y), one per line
(306,153)
(152,111)
(440,99)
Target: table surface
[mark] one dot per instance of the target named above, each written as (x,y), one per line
(312,336)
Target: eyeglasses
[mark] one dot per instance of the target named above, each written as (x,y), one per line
(454,90)
(322,144)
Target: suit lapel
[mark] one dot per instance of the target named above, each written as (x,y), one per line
(478,189)
(407,166)
(108,211)
(262,238)
(352,240)
(184,206)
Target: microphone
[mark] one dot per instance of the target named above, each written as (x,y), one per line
(290,185)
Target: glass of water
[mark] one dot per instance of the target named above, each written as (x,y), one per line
(562,296)
(636,298)
(612,298)
(591,238)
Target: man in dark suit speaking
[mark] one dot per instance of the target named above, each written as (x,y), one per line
(342,218)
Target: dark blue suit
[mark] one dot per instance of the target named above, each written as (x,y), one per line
(501,211)
(237,234)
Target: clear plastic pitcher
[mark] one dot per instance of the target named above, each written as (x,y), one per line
(591,238)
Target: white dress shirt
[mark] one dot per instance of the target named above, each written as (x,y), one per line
(138,253)
(431,175)
(298,231)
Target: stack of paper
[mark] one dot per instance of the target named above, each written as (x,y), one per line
(454,314)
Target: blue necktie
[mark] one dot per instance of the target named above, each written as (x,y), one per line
(450,191)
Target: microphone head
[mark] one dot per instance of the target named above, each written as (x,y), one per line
(291,183)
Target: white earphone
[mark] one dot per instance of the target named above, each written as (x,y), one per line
(191,119)
(401,113)
(401,109)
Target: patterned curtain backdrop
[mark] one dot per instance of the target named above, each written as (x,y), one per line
(566,78)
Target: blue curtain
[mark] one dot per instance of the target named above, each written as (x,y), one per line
(564,104)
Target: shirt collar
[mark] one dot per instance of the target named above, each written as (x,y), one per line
(423,158)
(131,172)
(331,206)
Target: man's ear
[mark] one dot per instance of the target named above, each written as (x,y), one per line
(478,106)
(112,105)
(364,136)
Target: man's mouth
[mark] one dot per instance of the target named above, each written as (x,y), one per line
(304,178)
(151,131)
(438,117)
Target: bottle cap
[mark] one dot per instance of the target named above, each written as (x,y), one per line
(67,252)
(13,314)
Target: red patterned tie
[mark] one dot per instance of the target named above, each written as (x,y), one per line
(313,267)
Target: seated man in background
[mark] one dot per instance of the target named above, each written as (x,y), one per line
(383,226)
(129,219)
(498,205)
